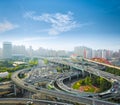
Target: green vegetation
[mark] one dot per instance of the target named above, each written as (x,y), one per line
(65,67)
(50,86)
(77,84)
(12,69)
(7,66)
(113,71)
(46,61)
(90,89)
(33,62)
(6,63)
(62,68)
(93,81)
(59,69)
(7,78)
(21,75)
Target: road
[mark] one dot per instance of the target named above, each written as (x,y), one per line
(116,67)
(25,100)
(91,70)
(61,95)
(65,88)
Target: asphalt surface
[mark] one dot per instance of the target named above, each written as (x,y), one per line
(61,95)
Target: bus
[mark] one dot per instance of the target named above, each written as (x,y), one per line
(104,95)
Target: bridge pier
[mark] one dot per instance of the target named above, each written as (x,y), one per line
(70,78)
(46,97)
(83,73)
(22,91)
(93,102)
(70,68)
(78,75)
(30,95)
(15,91)
(90,75)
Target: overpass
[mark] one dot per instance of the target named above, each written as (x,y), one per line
(108,65)
(60,95)
(89,69)
(62,86)
(25,100)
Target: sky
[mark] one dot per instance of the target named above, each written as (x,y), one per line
(61,24)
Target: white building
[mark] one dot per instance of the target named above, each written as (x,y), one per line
(104,54)
(61,53)
(88,53)
(99,53)
(94,54)
(19,50)
(79,51)
(3,74)
(83,51)
(30,51)
(7,50)
(0,52)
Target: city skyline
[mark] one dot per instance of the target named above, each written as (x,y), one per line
(9,50)
(61,26)
(41,47)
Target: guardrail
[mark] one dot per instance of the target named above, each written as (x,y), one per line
(61,95)
(24,100)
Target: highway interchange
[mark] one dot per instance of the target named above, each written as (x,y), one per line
(62,94)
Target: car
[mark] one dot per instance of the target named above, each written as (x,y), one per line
(90,96)
(26,84)
(29,81)
(38,88)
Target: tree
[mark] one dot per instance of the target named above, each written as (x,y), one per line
(59,69)
(46,61)
(1,79)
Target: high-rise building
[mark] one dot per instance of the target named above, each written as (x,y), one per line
(19,50)
(104,53)
(7,50)
(94,54)
(99,53)
(61,53)
(83,51)
(89,53)
(119,53)
(109,54)
(80,51)
(0,52)
(30,51)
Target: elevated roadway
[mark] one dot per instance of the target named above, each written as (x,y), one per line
(89,69)
(116,67)
(61,95)
(65,88)
(25,100)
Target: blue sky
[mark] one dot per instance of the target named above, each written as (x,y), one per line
(61,24)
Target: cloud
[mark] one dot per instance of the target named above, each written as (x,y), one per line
(34,39)
(59,22)
(6,26)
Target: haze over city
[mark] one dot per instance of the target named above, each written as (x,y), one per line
(61,25)
(60,52)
